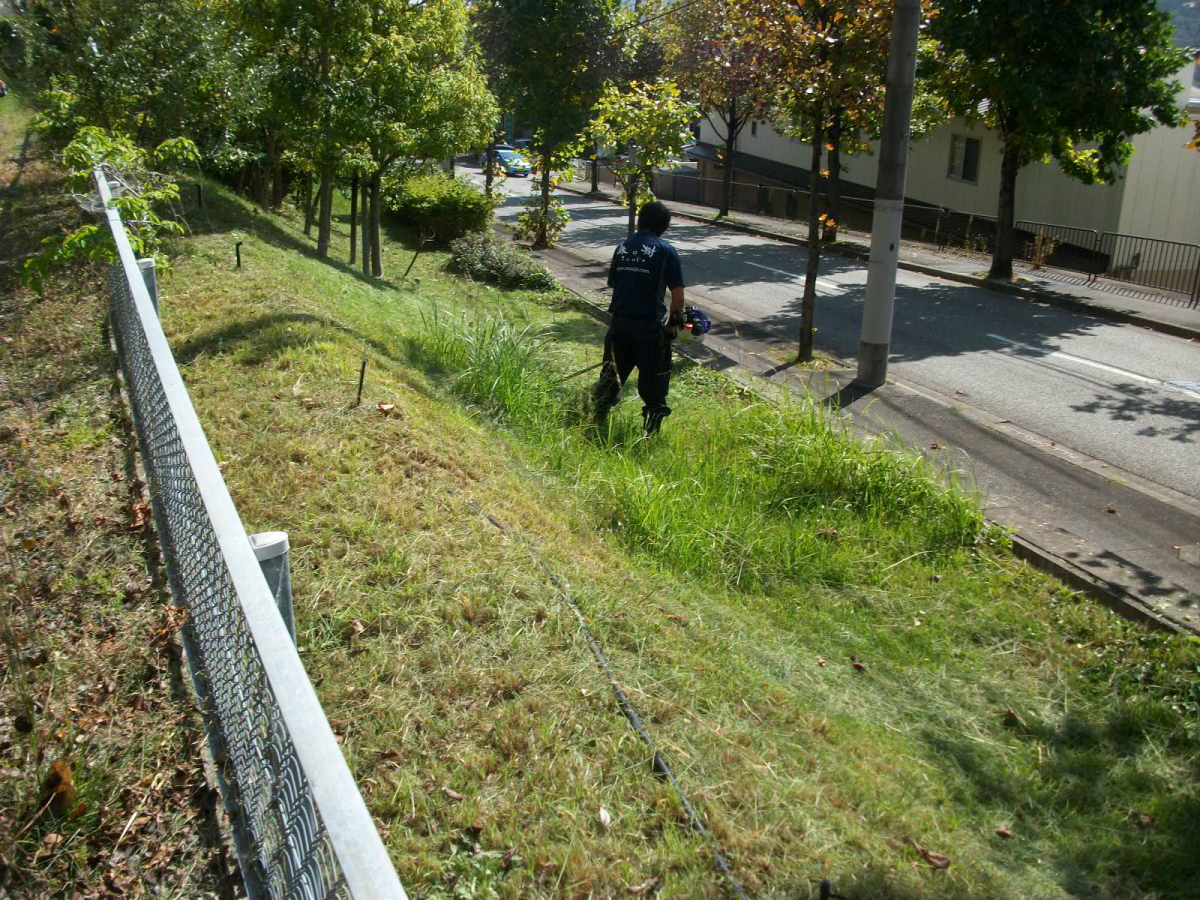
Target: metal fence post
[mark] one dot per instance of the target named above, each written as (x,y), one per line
(271,550)
(150,276)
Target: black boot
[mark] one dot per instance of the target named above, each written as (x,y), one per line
(651,422)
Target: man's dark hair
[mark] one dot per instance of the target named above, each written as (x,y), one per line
(654,216)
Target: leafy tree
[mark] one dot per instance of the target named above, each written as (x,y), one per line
(711,57)
(146,68)
(1068,81)
(145,195)
(650,121)
(312,45)
(424,98)
(826,65)
(552,57)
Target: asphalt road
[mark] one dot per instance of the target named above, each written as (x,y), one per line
(1115,392)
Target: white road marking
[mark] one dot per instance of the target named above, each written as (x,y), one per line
(1095,365)
(821,282)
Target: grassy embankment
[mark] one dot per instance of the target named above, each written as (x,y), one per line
(733,568)
(101,788)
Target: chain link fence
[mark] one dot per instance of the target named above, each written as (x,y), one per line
(300,827)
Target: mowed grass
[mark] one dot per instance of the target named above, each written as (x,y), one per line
(735,569)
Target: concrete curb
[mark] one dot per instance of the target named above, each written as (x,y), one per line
(1113,596)
(1074,576)
(1035,295)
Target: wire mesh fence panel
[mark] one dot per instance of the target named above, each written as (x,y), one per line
(1166,265)
(300,827)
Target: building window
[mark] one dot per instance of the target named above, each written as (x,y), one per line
(964,158)
(753,129)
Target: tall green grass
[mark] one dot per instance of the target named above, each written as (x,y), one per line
(739,489)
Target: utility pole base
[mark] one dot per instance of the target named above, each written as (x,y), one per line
(872,364)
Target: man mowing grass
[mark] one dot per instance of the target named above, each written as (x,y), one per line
(643,326)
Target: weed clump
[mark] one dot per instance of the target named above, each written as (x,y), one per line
(485,257)
(750,493)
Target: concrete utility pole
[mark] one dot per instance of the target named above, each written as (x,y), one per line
(889,196)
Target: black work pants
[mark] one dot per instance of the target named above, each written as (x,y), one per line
(645,346)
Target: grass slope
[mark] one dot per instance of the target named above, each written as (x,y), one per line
(733,569)
(101,788)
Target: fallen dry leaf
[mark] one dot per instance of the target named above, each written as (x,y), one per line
(936,860)
(308,402)
(605,819)
(820,662)
(648,886)
(858,665)
(1140,821)
(386,408)
(935,446)
(388,754)
(916,623)
(1004,832)
(453,794)
(138,514)
(52,840)
(1112,510)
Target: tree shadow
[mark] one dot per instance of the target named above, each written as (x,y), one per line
(222,215)
(1087,769)
(1174,417)
(260,332)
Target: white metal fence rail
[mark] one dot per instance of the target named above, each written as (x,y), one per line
(300,826)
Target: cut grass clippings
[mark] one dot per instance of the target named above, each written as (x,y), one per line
(842,664)
(102,792)
(849,676)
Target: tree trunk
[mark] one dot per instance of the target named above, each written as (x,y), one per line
(353,219)
(489,161)
(308,204)
(595,168)
(1002,258)
(833,187)
(261,187)
(325,222)
(366,229)
(268,191)
(277,186)
(542,240)
(731,133)
(376,249)
(814,240)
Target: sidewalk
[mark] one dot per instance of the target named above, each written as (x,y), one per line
(1167,313)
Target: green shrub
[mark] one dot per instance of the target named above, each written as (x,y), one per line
(447,207)
(485,257)
(529,219)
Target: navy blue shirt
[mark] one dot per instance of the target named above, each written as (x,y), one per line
(643,267)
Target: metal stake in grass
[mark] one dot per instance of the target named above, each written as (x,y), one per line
(362,371)
(237,248)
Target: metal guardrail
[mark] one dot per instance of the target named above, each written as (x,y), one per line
(1058,246)
(1150,262)
(300,827)
(1168,265)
